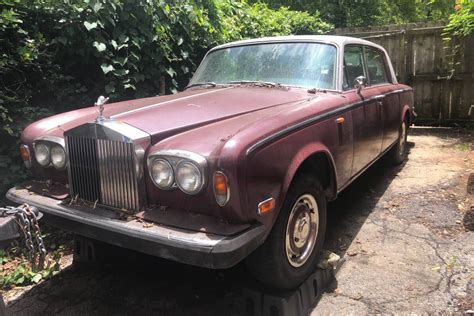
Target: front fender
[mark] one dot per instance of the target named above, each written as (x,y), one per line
(271,170)
(303,154)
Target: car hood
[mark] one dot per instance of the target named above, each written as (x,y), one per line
(164,116)
(191,110)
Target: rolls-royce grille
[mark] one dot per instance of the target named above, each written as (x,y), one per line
(103,171)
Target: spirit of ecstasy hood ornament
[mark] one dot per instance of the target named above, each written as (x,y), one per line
(100,103)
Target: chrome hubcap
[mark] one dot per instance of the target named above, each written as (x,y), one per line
(402,139)
(302,230)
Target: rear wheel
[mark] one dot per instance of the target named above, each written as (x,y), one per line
(398,153)
(291,251)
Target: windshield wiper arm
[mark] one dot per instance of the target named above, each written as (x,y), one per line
(200,84)
(255,82)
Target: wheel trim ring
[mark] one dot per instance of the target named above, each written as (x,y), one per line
(298,256)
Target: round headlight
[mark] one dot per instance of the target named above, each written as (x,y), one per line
(188,177)
(162,173)
(58,157)
(42,154)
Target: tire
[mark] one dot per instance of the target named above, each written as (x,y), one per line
(399,152)
(271,263)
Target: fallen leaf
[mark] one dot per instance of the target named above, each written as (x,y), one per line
(436,268)
(147,225)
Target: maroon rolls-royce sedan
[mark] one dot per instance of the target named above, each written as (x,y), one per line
(237,166)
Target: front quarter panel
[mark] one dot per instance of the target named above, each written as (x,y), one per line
(271,170)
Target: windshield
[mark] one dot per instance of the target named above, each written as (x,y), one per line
(311,65)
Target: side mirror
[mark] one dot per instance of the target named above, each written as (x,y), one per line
(359,83)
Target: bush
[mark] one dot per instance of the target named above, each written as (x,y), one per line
(241,21)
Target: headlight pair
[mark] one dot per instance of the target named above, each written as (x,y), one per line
(50,153)
(177,168)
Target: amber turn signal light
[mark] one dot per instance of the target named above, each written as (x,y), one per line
(25,155)
(266,206)
(221,188)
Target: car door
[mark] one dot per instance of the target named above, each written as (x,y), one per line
(378,76)
(366,115)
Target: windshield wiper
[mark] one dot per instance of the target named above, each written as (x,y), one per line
(200,84)
(256,83)
(316,90)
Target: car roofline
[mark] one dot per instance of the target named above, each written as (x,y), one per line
(337,40)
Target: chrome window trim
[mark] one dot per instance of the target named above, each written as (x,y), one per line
(295,40)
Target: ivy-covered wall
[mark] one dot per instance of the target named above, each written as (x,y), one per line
(58,55)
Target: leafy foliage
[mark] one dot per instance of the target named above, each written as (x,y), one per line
(15,268)
(461,23)
(344,13)
(241,20)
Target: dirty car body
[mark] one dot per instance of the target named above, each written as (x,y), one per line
(201,176)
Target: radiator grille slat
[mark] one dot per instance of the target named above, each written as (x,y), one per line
(83,169)
(104,171)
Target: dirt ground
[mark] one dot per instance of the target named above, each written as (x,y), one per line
(399,232)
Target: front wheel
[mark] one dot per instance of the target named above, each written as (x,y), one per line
(291,251)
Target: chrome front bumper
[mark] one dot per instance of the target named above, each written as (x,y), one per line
(191,247)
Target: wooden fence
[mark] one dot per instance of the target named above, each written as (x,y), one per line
(442,73)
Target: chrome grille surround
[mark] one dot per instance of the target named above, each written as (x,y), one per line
(106,164)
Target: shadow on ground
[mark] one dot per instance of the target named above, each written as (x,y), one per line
(135,283)
(350,210)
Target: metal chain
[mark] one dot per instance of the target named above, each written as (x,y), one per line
(25,226)
(28,223)
(37,233)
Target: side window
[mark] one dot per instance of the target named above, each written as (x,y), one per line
(353,65)
(376,66)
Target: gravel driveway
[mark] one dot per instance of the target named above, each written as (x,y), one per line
(400,232)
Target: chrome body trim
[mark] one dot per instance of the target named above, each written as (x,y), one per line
(173,184)
(106,165)
(228,190)
(28,162)
(175,157)
(51,140)
(264,201)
